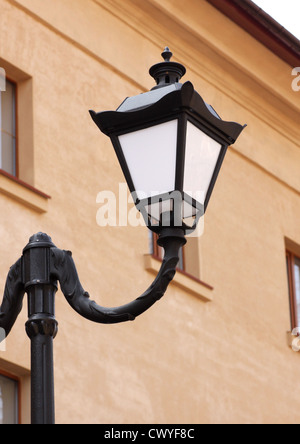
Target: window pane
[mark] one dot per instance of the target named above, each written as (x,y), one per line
(8,153)
(158,251)
(8,129)
(8,101)
(8,400)
(297,283)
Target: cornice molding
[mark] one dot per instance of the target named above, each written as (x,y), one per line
(237,76)
(262,27)
(192,48)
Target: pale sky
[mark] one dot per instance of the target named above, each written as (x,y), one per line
(285,12)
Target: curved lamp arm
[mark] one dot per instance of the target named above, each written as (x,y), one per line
(37,273)
(64,270)
(61,267)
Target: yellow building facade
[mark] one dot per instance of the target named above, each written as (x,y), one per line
(215,349)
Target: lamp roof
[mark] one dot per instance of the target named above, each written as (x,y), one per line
(165,103)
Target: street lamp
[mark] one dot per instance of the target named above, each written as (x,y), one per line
(170,145)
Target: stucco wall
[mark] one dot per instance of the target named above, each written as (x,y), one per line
(184,361)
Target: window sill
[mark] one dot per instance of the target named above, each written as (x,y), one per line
(182,280)
(23,193)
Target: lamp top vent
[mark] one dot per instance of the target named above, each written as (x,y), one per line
(167,72)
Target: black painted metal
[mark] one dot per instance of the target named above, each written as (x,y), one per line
(65,271)
(167,72)
(41,331)
(12,298)
(169,100)
(41,326)
(37,273)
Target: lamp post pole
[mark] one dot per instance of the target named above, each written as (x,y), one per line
(41,326)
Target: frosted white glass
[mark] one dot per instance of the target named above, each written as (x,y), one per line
(151,158)
(201,157)
(156,209)
(188,210)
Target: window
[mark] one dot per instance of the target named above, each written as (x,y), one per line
(9,400)
(188,255)
(17,172)
(188,277)
(8,129)
(158,251)
(16,122)
(293,271)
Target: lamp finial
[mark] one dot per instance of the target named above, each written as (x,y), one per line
(167,54)
(166,73)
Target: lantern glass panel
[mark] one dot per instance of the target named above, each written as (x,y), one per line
(155,210)
(201,157)
(150,155)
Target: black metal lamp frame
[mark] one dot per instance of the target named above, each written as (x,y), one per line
(183,104)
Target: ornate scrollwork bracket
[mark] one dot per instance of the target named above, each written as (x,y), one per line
(42,265)
(37,273)
(65,271)
(12,298)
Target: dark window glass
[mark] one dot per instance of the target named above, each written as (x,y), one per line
(8,129)
(8,400)
(293,271)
